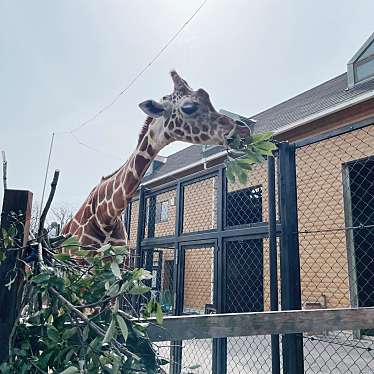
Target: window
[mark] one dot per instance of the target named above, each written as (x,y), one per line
(162,211)
(244,206)
(361,65)
(358,188)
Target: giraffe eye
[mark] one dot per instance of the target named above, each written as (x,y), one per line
(189,108)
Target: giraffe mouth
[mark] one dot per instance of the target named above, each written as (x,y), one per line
(243,129)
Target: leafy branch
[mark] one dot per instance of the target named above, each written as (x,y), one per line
(244,153)
(75,315)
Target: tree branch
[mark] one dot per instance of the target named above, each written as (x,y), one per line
(119,347)
(48,203)
(5,166)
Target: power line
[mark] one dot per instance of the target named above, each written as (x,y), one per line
(46,172)
(79,141)
(139,74)
(130,84)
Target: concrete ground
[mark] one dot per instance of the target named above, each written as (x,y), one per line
(252,355)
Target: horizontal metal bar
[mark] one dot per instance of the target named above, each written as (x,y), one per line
(186,180)
(264,323)
(241,233)
(340,131)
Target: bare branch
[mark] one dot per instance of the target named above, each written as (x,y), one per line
(48,203)
(5,166)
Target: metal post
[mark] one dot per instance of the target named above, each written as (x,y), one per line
(128,220)
(176,348)
(292,344)
(220,345)
(140,229)
(139,237)
(275,355)
(19,203)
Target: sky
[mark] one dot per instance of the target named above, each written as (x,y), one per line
(62,61)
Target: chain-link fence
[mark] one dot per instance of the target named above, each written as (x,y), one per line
(209,246)
(335,190)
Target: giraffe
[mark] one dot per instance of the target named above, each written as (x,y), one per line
(185,115)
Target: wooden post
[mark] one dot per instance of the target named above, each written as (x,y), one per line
(19,203)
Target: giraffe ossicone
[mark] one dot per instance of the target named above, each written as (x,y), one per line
(184,115)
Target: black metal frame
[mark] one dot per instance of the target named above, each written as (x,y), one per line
(217,237)
(284,171)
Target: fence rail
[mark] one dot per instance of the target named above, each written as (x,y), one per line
(263,323)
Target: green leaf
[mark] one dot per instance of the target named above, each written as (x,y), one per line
(123,326)
(139,289)
(85,333)
(246,163)
(41,278)
(44,359)
(71,242)
(116,365)
(120,249)
(194,367)
(243,177)
(12,231)
(261,137)
(159,314)
(141,274)
(62,256)
(266,147)
(69,355)
(110,332)
(83,253)
(230,174)
(53,333)
(115,269)
(70,370)
(69,333)
(104,248)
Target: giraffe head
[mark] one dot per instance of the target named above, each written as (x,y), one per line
(188,115)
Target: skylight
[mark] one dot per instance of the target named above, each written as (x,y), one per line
(361,65)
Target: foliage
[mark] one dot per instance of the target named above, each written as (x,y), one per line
(72,321)
(244,153)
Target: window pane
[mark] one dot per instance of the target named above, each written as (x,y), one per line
(164,211)
(368,52)
(365,70)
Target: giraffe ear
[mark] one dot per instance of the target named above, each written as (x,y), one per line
(152,108)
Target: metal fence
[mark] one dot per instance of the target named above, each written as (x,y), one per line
(299,235)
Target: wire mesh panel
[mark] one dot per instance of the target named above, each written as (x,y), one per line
(248,204)
(160,215)
(161,263)
(335,190)
(198,296)
(134,213)
(247,290)
(200,205)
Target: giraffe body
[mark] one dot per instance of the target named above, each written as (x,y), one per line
(185,115)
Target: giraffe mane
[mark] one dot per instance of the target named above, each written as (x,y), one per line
(145,128)
(111,174)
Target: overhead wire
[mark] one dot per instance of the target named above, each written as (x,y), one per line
(89,120)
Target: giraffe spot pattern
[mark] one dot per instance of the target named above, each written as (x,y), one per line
(179,132)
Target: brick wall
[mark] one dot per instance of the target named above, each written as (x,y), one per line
(323,251)
(324,272)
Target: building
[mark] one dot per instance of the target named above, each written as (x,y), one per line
(333,127)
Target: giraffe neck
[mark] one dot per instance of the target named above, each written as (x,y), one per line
(116,190)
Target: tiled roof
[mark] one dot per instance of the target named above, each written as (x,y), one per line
(317,99)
